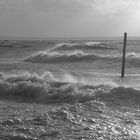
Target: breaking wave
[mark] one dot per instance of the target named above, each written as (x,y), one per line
(52,57)
(78,56)
(46,89)
(83,45)
(133,59)
(41,88)
(122,96)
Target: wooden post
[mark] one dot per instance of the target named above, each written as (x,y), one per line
(124,52)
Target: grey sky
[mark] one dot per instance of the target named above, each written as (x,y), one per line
(69,18)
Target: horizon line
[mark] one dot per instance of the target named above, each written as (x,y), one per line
(61,38)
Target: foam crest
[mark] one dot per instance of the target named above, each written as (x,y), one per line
(35,88)
(92,43)
(38,88)
(51,57)
(133,59)
(78,56)
(73,56)
(83,45)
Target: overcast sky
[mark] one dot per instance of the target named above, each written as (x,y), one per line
(69,18)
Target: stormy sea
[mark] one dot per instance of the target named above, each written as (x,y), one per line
(69,90)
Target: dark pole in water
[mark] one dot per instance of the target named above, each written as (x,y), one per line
(124,52)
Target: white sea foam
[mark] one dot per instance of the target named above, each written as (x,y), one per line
(50,57)
(72,56)
(39,88)
(82,46)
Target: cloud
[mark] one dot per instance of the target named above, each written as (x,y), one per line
(14,8)
(63,7)
(66,17)
(71,7)
(116,7)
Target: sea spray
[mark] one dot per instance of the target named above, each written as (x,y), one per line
(35,88)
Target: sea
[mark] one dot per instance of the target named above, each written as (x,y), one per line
(69,89)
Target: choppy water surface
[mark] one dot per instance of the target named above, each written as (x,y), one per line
(69,90)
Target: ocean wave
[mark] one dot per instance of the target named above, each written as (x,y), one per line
(133,59)
(35,88)
(46,89)
(75,56)
(78,56)
(83,45)
(14,44)
(122,96)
